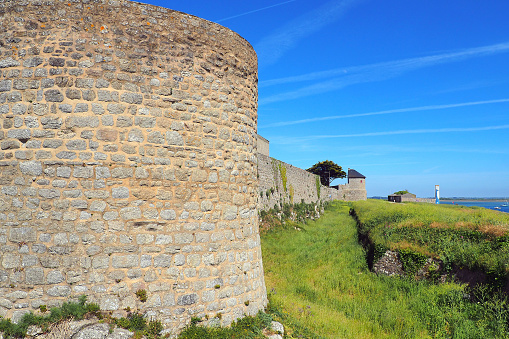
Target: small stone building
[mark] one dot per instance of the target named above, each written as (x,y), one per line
(402,197)
(356,186)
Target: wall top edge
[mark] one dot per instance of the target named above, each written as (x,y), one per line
(117,3)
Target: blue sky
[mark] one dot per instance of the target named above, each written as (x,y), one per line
(409,93)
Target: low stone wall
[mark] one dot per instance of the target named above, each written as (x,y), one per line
(424,200)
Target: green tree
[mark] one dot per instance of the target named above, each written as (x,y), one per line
(327,171)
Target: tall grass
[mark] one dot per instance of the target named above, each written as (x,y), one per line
(472,237)
(317,274)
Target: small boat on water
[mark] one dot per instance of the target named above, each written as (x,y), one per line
(506,204)
(497,208)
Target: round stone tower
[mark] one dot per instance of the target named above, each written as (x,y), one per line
(127,161)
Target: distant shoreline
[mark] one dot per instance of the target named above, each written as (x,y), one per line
(458,199)
(474,199)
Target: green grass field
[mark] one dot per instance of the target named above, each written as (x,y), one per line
(318,278)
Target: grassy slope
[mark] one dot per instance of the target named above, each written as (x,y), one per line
(319,276)
(477,238)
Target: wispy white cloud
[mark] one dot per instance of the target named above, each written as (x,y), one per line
(343,77)
(272,47)
(399,149)
(293,140)
(391,111)
(384,149)
(254,11)
(431,169)
(471,86)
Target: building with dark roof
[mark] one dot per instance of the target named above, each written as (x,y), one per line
(356,187)
(353,174)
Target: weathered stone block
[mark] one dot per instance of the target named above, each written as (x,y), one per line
(82,122)
(174,138)
(59,291)
(10,144)
(135,135)
(99,262)
(53,95)
(77,145)
(66,155)
(81,107)
(188,299)
(19,134)
(131,98)
(120,192)
(130,213)
(22,234)
(51,122)
(55,277)
(168,214)
(10,260)
(31,167)
(97,194)
(162,260)
(230,212)
(57,62)
(88,95)
(125,261)
(97,206)
(33,62)
(84,83)
(122,172)
(9,62)
(102,172)
(107,134)
(155,137)
(143,193)
(73,94)
(5,85)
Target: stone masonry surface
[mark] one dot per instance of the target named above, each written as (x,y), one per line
(127,161)
(281,183)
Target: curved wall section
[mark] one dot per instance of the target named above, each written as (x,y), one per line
(127,161)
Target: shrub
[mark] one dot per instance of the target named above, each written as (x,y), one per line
(75,310)
(412,261)
(142,295)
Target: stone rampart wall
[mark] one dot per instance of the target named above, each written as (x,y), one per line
(127,161)
(281,183)
(262,145)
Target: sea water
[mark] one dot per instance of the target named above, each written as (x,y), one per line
(492,205)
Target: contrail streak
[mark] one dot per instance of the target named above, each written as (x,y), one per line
(343,77)
(272,47)
(415,131)
(391,111)
(254,11)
